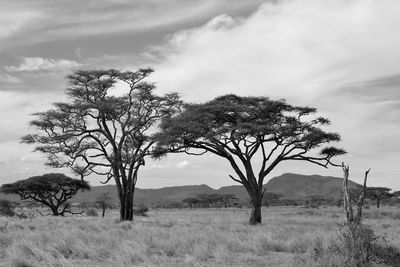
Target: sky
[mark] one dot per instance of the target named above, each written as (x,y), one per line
(340,56)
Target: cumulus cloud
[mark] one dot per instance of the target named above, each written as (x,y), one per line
(310,52)
(301,49)
(40,64)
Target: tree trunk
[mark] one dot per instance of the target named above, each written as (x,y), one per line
(54,210)
(378,203)
(255,216)
(126,206)
(256,204)
(125,193)
(104,212)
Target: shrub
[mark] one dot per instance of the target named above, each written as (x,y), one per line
(6,208)
(92,212)
(142,211)
(20,263)
(361,246)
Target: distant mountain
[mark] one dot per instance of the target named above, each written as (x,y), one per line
(171,194)
(291,186)
(297,186)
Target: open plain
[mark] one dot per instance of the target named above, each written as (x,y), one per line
(288,236)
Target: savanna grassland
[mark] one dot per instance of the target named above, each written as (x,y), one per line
(288,236)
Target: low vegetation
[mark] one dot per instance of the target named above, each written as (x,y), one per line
(289,236)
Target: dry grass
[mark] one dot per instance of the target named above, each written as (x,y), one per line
(222,237)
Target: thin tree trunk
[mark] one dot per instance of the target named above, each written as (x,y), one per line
(55,211)
(348,208)
(104,212)
(378,203)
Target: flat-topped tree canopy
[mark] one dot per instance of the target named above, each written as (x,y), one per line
(378,194)
(52,190)
(105,128)
(250,131)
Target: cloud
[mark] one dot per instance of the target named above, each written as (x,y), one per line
(41,64)
(6,78)
(160,166)
(182,164)
(13,20)
(41,21)
(15,108)
(339,56)
(299,49)
(165,165)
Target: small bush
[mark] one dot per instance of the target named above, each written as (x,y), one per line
(361,246)
(142,211)
(312,206)
(6,208)
(20,263)
(317,249)
(92,212)
(22,216)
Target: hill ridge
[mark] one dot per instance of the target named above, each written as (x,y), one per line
(290,185)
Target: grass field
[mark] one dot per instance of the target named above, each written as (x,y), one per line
(198,237)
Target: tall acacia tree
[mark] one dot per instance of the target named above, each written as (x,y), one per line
(250,131)
(106,128)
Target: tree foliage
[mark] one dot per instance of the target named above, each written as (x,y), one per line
(227,199)
(254,134)
(270,198)
(104,201)
(378,194)
(191,201)
(106,128)
(205,200)
(52,190)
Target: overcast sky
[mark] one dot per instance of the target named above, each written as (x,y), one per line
(340,56)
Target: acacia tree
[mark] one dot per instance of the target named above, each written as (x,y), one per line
(52,190)
(191,201)
(227,199)
(106,128)
(378,194)
(104,201)
(247,131)
(271,198)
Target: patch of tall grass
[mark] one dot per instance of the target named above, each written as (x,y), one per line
(183,237)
